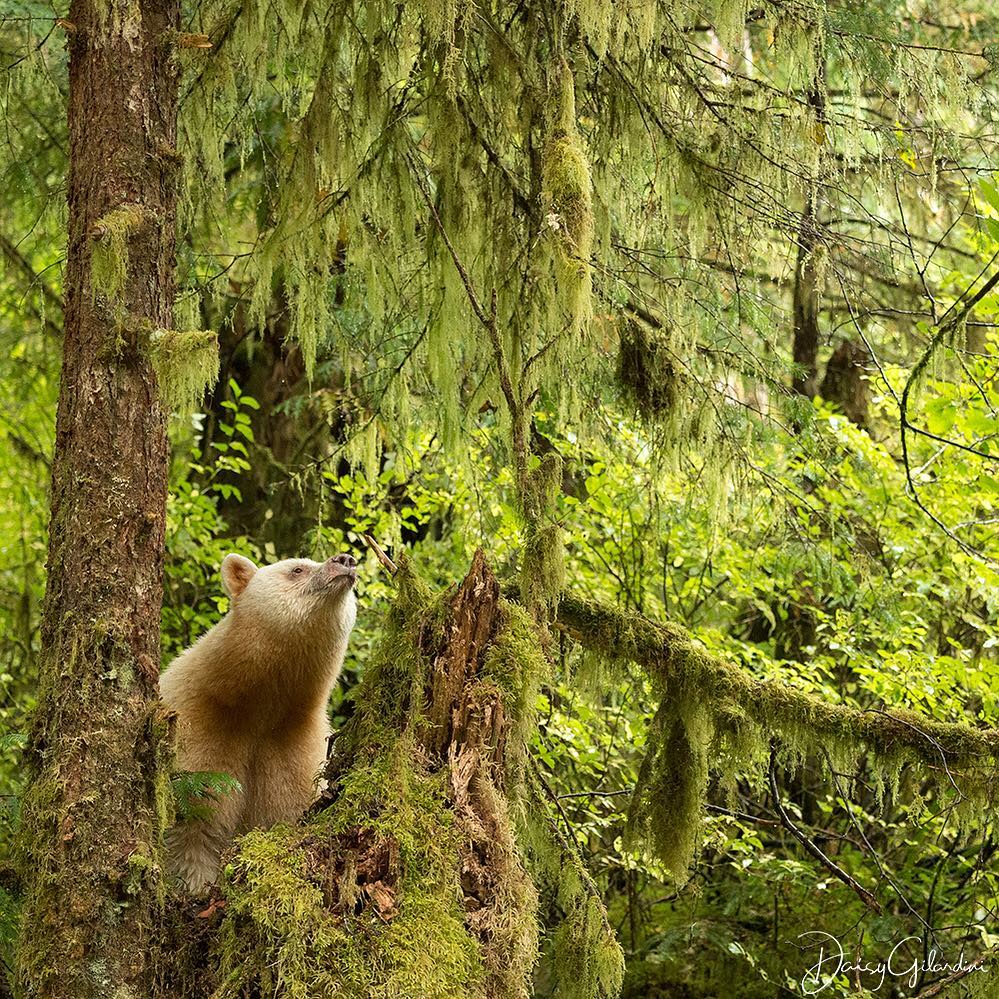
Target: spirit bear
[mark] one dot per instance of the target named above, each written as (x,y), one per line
(251,698)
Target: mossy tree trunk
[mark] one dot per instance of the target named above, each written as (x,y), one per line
(92,817)
(845,382)
(805,305)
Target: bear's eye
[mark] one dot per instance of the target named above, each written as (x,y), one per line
(298,570)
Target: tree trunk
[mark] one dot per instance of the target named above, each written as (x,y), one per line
(93,815)
(807,283)
(806,303)
(845,383)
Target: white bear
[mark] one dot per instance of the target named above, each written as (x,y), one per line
(251,700)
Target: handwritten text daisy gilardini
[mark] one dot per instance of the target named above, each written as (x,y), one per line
(832,962)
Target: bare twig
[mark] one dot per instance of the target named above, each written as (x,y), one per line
(390,567)
(810,847)
(554,798)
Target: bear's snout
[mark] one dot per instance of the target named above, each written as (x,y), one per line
(342,569)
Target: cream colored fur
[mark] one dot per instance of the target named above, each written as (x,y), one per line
(251,700)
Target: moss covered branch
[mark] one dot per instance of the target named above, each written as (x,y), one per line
(568,201)
(713,717)
(676,661)
(714,721)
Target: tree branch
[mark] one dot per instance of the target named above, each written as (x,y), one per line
(671,656)
(21,262)
(811,847)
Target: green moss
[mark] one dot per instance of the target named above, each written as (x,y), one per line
(276,917)
(142,865)
(667,807)
(109,257)
(77,898)
(710,710)
(651,376)
(508,921)
(390,694)
(409,937)
(186,364)
(519,666)
(542,574)
(586,960)
(671,654)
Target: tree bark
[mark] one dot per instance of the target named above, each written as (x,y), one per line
(844,382)
(93,816)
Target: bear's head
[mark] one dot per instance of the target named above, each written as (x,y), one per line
(293,595)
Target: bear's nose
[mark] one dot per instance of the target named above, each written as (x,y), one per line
(348,560)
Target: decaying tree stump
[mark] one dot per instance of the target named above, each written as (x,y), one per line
(464,735)
(468,735)
(418,871)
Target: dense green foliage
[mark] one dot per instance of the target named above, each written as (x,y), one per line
(634,184)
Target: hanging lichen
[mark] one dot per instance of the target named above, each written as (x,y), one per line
(109,255)
(650,373)
(186,364)
(667,807)
(586,960)
(533,139)
(568,201)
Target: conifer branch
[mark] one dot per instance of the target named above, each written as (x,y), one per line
(945,327)
(489,323)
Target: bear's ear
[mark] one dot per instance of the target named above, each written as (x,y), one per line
(237,572)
